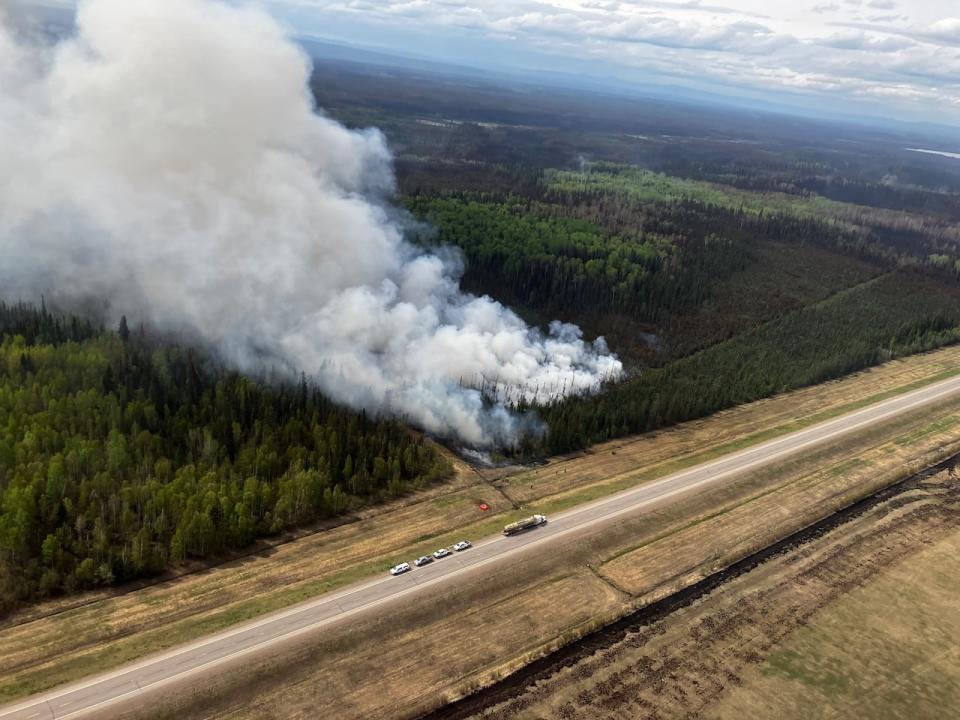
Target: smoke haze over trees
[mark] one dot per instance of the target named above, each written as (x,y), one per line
(168,159)
(120,455)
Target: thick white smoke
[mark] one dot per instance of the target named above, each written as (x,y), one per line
(169,157)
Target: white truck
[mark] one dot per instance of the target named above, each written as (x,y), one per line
(526,524)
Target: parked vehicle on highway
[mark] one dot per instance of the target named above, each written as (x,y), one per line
(400,569)
(421,561)
(441,553)
(525,524)
(462,545)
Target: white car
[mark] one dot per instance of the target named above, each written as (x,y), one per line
(441,553)
(462,545)
(421,561)
(400,569)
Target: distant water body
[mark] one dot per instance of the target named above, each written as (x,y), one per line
(956,156)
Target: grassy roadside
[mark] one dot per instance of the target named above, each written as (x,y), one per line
(859,622)
(810,488)
(886,650)
(115,631)
(632,479)
(365,671)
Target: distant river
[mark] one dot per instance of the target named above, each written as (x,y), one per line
(936,152)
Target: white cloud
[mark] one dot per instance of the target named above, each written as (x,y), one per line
(867,42)
(752,44)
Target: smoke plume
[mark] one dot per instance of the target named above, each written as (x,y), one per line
(168,156)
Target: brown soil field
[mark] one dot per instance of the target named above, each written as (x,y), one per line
(889,649)
(863,622)
(411,659)
(55,643)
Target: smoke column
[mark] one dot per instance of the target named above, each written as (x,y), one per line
(169,157)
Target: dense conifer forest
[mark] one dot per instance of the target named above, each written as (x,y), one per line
(120,454)
(659,262)
(896,315)
(518,251)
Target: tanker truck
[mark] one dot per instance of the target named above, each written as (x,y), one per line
(526,524)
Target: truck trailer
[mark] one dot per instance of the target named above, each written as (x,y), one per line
(525,524)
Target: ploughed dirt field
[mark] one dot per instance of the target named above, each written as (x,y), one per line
(860,622)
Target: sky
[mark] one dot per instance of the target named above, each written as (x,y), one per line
(887,59)
(895,59)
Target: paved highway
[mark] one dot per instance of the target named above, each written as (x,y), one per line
(95,696)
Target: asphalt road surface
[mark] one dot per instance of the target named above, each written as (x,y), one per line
(95,696)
